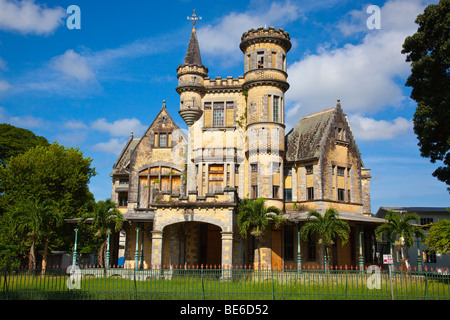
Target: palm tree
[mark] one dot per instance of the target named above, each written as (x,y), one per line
(401,232)
(325,229)
(105,218)
(38,220)
(254,218)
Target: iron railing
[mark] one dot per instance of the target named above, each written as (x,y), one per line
(221,284)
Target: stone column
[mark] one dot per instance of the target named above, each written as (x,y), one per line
(206,178)
(227,254)
(232,175)
(200,179)
(294,183)
(157,237)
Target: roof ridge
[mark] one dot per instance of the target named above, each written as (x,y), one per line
(317,113)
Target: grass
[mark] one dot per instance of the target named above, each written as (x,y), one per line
(221,284)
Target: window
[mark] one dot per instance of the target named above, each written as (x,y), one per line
(275,190)
(260,59)
(425,221)
(340,171)
(430,257)
(275,167)
(288,243)
(287,194)
(254,167)
(162,140)
(341,194)
(123,199)
(309,169)
(340,134)
(310,193)
(218,114)
(276,104)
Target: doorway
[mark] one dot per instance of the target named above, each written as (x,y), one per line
(210,241)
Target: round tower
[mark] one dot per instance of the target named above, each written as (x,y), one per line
(190,87)
(265,83)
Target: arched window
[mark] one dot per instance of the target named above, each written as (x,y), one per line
(156,180)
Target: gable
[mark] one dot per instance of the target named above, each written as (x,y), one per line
(311,135)
(304,140)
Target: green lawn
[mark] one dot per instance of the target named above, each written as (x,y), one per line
(218,284)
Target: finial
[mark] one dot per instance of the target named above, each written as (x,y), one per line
(164,104)
(194,18)
(339,102)
(131,135)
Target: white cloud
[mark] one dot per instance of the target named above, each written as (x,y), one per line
(29,18)
(364,75)
(4,85)
(3,66)
(222,39)
(75,125)
(27,122)
(121,127)
(365,128)
(113,146)
(73,65)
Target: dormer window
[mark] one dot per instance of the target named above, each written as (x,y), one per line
(339,134)
(163,140)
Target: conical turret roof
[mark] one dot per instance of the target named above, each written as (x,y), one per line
(193,51)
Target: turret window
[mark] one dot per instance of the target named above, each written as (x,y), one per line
(260,59)
(276,108)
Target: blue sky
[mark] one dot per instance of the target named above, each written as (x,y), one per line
(89,88)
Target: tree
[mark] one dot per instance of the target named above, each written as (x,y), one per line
(14,141)
(38,221)
(428,50)
(105,218)
(254,218)
(438,239)
(401,232)
(43,186)
(325,229)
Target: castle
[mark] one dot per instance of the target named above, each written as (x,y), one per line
(180,193)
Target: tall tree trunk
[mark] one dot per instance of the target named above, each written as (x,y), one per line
(259,253)
(32,257)
(100,254)
(44,256)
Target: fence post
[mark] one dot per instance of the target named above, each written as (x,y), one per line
(273,288)
(203,290)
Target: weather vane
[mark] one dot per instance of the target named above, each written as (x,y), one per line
(194,18)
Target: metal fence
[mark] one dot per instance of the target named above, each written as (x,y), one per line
(221,284)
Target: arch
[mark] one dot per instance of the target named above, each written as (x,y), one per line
(159,225)
(160,164)
(192,243)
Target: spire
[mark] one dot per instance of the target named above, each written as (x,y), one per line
(193,50)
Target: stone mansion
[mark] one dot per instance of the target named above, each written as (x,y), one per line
(179,193)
